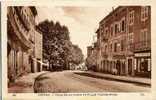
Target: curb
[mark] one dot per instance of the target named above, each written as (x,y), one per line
(117,79)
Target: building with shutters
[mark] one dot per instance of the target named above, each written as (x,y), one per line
(21,42)
(124,41)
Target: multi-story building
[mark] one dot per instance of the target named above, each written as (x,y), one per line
(89,50)
(21,40)
(124,39)
(38,51)
(142,42)
(91,60)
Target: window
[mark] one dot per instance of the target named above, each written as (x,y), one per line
(111,47)
(144,13)
(116,28)
(111,29)
(122,45)
(144,35)
(123,25)
(106,32)
(130,37)
(115,47)
(116,15)
(119,27)
(130,40)
(105,48)
(131,17)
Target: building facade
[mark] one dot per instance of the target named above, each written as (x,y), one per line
(38,51)
(124,41)
(91,61)
(21,40)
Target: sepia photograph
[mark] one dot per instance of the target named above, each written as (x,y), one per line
(79,49)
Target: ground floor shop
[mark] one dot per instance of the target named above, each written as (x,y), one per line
(143,64)
(118,65)
(114,66)
(138,64)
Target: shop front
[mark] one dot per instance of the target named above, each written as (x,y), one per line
(143,64)
(120,63)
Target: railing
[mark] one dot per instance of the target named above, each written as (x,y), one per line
(142,45)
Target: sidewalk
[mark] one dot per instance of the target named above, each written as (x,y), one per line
(24,84)
(128,79)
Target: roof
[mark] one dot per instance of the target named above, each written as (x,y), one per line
(111,13)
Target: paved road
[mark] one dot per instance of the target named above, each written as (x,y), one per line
(75,81)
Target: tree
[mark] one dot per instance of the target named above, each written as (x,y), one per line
(75,55)
(57,46)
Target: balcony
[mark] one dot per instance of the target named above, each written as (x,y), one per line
(142,46)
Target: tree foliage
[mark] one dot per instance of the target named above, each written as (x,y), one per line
(57,47)
(75,55)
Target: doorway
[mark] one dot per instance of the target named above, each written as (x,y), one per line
(129,66)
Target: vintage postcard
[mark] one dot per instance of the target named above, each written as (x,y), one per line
(78,50)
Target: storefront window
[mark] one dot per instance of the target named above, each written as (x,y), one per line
(144,65)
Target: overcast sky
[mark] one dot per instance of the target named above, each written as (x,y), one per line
(81,21)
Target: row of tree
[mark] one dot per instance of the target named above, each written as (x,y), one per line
(57,47)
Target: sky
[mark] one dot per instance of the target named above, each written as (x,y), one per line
(82,22)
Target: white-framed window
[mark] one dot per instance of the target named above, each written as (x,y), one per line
(131,17)
(144,13)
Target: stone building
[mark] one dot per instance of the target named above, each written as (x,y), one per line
(124,41)
(91,60)
(38,51)
(142,42)
(21,40)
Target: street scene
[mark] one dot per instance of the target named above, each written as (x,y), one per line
(78,49)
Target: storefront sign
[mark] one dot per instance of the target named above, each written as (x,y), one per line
(119,57)
(142,54)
